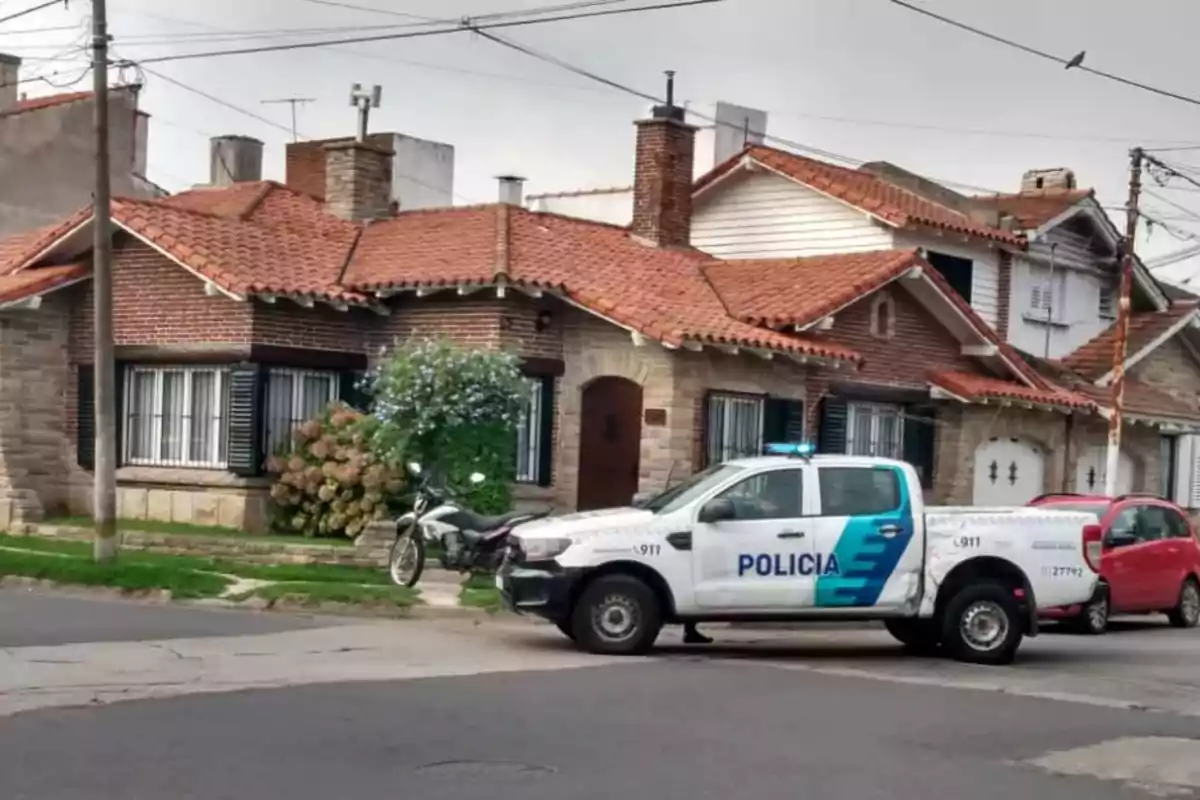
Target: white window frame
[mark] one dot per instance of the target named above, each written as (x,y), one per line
(298,377)
(875,411)
(729,400)
(1048,285)
(211,460)
(531,422)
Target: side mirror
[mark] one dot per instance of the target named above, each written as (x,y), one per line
(1120,538)
(641,498)
(719,510)
(476,478)
(414,467)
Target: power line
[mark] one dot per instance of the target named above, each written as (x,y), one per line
(31,10)
(460,28)
(219,101)
(1070,63)
(352,7)
(1173,204)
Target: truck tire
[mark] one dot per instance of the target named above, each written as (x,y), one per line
(1093,619)
(1187,613)
(918,635)
(983,624)
(616,615)
(566,629)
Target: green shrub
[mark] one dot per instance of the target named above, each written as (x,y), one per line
(331,484)
(454,410)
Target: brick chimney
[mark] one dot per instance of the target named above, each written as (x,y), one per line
(662,175)
(305,167)
(358,180)
(10,75)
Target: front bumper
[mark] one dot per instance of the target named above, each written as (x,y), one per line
(543,590)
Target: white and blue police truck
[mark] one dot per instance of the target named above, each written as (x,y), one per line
(792,536)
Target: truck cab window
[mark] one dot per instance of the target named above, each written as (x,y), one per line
(768,495)
(858,491)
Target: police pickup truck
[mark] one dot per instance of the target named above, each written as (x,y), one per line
(799,537)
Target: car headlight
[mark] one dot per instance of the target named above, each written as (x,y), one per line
(543,549)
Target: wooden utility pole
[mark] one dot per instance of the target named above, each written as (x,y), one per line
(1113,456)
(105,488)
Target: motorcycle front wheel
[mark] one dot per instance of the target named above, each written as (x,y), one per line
(406,561)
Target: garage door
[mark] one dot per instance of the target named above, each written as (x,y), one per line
(1090,471)
(1008,472)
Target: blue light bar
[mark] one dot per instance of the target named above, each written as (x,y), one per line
(801,449)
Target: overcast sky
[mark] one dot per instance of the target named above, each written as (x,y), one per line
(863,78)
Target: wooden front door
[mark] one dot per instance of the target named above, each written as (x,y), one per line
(610,443)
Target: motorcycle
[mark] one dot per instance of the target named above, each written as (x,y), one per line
(469,542)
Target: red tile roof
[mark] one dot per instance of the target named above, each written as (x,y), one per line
(865,191)
(1141,399)
(33,282)
(1033,209)
(16,250)
(977,387)
(1094,359)
(46,101)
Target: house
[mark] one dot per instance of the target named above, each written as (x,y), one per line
(241,310)
(47,151)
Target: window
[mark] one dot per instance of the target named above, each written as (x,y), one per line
(1152,524)
(175,417)
(858,491)
(768,495)
(1108,303)
(294,397)
(1126,522)
(875,430)
(1047,294)
(734,427)
(958,272)
(1177,526)
(531,429)
(681,494)
(883,317)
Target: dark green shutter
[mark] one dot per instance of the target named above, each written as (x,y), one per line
(832,436)
(246,387)
(920,424)
(85,415)
(119,401)
(545,471)
(351,392)
(783,420)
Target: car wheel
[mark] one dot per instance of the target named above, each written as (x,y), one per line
(1093,619)
(1187,613)
(983,625)
(918,635)
(616,615)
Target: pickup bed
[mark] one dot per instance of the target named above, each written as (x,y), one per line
(789,538)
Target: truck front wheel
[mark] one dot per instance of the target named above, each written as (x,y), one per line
(616,615)
(983,624)
(918,635)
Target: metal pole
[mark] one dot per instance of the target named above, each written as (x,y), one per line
(1112,462)
(1050,305)
(105,489)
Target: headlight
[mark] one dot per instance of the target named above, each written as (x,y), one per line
(543,549)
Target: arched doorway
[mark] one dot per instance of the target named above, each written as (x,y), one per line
(1091,471)
(610,443)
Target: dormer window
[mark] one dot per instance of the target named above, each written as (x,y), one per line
(883,317)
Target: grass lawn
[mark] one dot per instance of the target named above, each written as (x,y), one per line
(312,594)
(307,573)
(185,529)
(479,591)
(125,575)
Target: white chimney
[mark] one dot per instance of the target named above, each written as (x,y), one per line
(235,159)
(511,190)
(735,128)
(10,76)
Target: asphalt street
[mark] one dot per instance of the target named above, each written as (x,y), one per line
(507,708)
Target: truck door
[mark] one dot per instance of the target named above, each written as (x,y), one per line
(762,557)
(867,534)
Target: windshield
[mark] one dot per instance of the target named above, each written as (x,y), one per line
(1096,509)
(681,494)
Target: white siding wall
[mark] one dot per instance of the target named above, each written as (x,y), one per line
(985,271)
(766,216)
(614,207)
(1076,313)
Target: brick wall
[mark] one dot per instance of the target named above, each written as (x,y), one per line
(1004,294)
(322,327)
(1172,369)
(473,320)
(33,378)
(519,326)
(358,180)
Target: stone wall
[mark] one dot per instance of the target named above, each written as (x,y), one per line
(33,380)
(1172,369)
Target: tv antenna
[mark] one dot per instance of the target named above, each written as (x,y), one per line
(293,102)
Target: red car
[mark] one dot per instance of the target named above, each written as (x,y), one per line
(1150,563)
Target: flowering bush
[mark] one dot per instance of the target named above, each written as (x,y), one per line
(452,409)
(330,483)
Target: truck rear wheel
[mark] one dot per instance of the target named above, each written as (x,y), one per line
(983,625)
(918,635)
(616,615)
